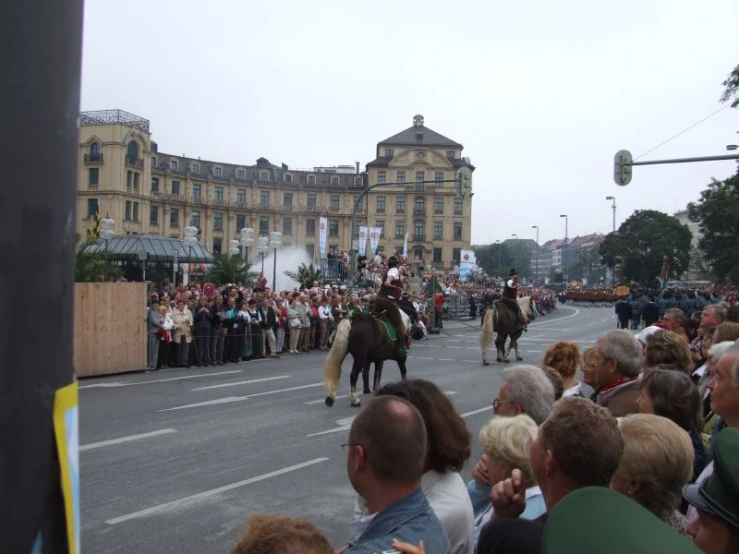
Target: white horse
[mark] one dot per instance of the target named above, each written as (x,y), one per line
(502,322)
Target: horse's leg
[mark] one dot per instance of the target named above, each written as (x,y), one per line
(514,344)
(506,350)
(378,375)
(365,378)
(357,367)
(499,345)
(401,366)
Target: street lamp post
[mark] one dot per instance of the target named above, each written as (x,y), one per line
(613,206)
(247,239)
(536,271)
(233,248)
(106,233)
(275,242)
(500,247)
(564,250)
(263,248)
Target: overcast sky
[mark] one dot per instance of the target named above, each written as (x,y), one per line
(540,93)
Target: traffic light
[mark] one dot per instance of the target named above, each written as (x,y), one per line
(622,168)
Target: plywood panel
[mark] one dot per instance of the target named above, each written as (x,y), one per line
(109,328)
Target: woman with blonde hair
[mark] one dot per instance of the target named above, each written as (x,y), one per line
(566,359)
(656,463)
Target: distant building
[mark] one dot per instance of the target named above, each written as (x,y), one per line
(697,269)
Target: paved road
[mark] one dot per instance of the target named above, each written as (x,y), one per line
(177,460)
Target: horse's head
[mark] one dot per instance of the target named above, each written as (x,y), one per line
(527,308)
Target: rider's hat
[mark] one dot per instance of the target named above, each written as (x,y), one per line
(512,272)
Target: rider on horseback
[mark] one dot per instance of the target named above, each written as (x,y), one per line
(510,296)
(385,302)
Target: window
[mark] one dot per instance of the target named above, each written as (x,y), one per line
(450,154)
(196,191)
(310,227)
(288,178)
(400,204)
(381,226)
(217,246)
(311,200)
(153,161)
(439,179)
(95,152)
(135,215)
(419,207)
(438,205)
(240,174)
(436,256)
(457,230)
(335,181)
(389,152)
(240,222)
(93,176)
(195,219)
(418,254)
(438,230)
(217,221)
(399,230)
(264,198)
(155,184)
(419,181)
(333,227)
(287,225)
(334,203)
(176,187)
(154,215)
(380,205)
(359,206)
(357,181)
(132,155)
(174,217)
(401,177)
(92,207)
(418,231)
(127,216)
(173,165)
(263,176)
(287,199)
(129,180)
(310,250)
(264,225)
(381,177)
(456,255)
(136,180)
(195,169)
(457,206)
(311,179)
(241,196)
(218,172)
(219,193)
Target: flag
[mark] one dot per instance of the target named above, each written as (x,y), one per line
(96,225)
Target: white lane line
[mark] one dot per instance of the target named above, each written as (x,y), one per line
(473,412)
(129,438)
(446,360)
(190,500)
(236,383)
(229,399)
(557,320)
(594,323)
(119,384)
(423,358)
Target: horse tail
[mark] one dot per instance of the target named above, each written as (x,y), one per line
(488,326)
(339,349)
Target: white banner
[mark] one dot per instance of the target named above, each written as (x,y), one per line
(466,265)
(362,241)
(405,246)
(323,223)
(374,236)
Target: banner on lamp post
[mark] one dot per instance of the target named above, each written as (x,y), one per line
(362,241)
(466,265)
(405,246)
(374,236)
(322,224)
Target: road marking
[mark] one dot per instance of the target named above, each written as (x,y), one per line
(230,399)
(118,384)
(130,438)
(446,360)
(473,412)
(423,358)
(236,383)
(190,500)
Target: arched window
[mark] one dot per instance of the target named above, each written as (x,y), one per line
(133,152)
(418,231)
(419,206)
(94,150)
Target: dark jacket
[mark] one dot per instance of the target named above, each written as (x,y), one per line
(650,314)
(269,317)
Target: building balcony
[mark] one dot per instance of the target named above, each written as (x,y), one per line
(439,212)
(419,211)
(399,212)
(419,237)
(92,186)
(400,235)
(334,209)
(219,202)
(458,212)
(198,200)
(91,159)
(135,162)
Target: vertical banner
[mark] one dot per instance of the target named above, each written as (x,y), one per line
(322,223)
(362,241)
(66,430)
(374,236)
(405,245)
(467,263)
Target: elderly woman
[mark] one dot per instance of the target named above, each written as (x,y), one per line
(448,450)
(565,358)
(671,394)
(656,463)
(506,441)
(589,359)
(667,348)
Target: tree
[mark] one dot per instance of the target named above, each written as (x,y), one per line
(91,267)
(305,275)
(497,259)
(229,269)
(643,241)
(717,214)
(589,265)
(731,88)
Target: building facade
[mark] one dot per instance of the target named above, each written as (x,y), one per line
(124,176)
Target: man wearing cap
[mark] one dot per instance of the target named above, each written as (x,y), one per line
(510,298)
(389,291)
(716,530)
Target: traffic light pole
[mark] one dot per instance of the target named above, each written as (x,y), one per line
(623,162)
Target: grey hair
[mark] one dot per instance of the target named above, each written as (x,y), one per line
(622,347)
(731,349)
(530,387)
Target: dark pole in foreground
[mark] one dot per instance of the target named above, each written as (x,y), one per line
(39,477)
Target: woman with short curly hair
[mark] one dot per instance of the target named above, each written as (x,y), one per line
(565,357)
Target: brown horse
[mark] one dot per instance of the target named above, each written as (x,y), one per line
(500,319)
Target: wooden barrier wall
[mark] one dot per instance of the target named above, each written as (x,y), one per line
(109,328)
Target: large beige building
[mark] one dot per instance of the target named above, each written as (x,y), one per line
(124,176)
